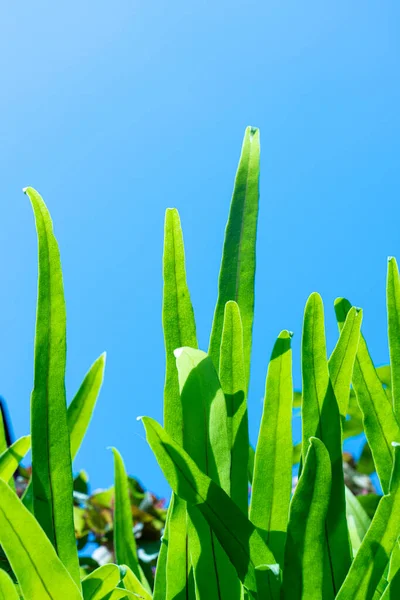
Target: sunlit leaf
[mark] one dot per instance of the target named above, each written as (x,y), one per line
(7,588)
(51,457)
(236,278)
(303,571)
(34,561)
(12,456)
(272,480)
(100,582)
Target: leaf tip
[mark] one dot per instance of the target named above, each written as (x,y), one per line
(178,352)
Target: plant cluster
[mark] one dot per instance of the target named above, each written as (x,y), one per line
(316,543)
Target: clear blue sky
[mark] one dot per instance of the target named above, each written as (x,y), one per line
(115,111)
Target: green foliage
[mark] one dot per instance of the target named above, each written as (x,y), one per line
(320,542)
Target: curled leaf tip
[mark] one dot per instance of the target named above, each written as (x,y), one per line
(395,444)
(178,352)
(139,418)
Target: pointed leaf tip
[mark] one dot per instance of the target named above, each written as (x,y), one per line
(178,352)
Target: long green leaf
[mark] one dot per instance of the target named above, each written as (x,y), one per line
(206,440)
(80,410)
(100,582)
(12,456)
(357,518)
(303,573)
(236,278)
(124,541)
(380,425)
(79,414)
(392,591)
(341,361)
(393,312)
(237,535)
(7,588)
(272,481)
(321,418)
(233,381)
(160,578)
(51,458)
(39,571)
(179,330)
(133,584)
(374,553)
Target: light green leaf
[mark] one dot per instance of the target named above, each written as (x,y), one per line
(374,553)
(160,579)
(236,278)
(303,571)
(51,458)
(81,408)
(236,534)
(233,381)
(204,411)
(132,583)
(10,458)
(39,571)
(179,330)
(272,481)
(341,361)
(358,519)
(7,588)
(79,414)
(100,582)
(124,540)
(321,418)
(393,312)
(392,591)
(178,319)
(380,424)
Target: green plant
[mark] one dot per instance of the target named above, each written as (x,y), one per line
(316,543)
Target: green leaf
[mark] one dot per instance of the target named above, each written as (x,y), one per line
(303,572)
(357,518)
(124,540)
(7,588)
(250,465)
(179,330)
(236,534)
(392,591)
(233,382)
(380,424)
(341,361)
(39,571)
(204,411)
(81,408)
(160,579)
(51,458)
(272,481)
(132,583)
(100,582)
(10,458)
(393,312)
(178,319)
(374,553)
(236,278)
(321,418)
(79,414)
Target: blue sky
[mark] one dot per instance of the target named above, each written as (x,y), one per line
(115,111)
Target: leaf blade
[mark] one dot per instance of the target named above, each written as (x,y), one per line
(237,272)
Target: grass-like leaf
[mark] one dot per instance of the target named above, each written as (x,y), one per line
(206,440)
(179,330)
(233,381)
(380,425)
(236,279)
(393,312)
(374,553)
(39,571)
(124,541)
(100,582)
(303,572)
(7,588)
(12,456)
(321,418)
(357,518)
(51,457)
(392,591)
(272,480)
(236,534)
(132,583)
